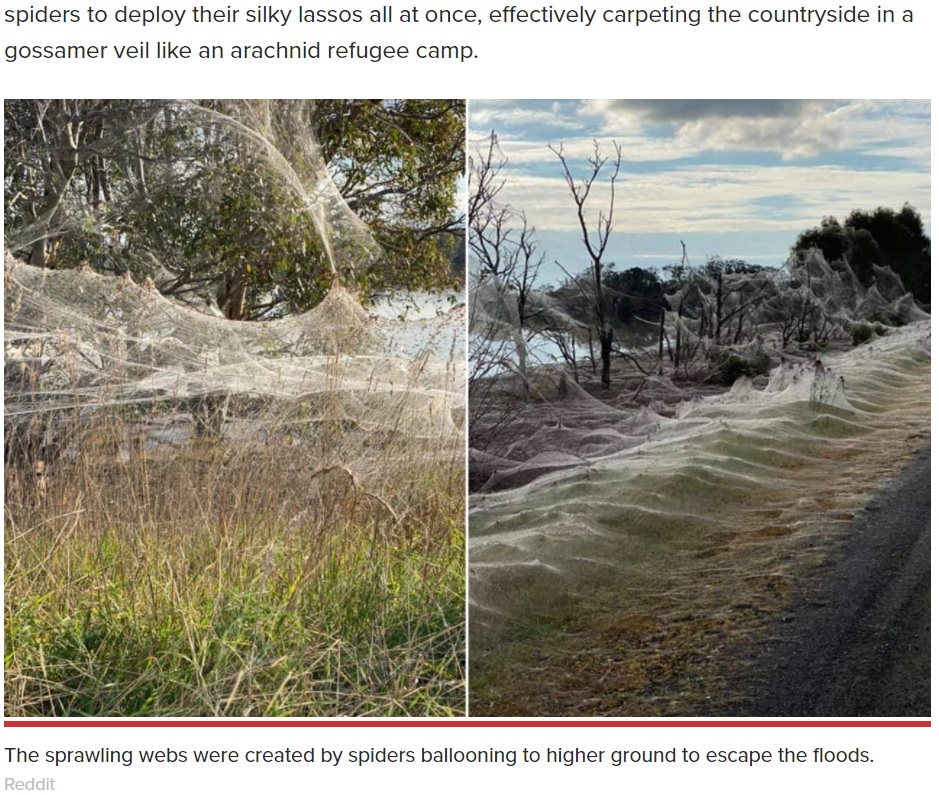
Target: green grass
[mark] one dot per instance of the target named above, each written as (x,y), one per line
(239,583)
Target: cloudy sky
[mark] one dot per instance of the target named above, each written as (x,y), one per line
(734,178)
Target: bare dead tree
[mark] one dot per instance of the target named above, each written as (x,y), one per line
(596,240)
(503,261)
(729,299)
(503,243)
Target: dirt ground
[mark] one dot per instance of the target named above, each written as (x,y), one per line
(859,644)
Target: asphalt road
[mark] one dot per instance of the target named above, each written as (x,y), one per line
(860,645)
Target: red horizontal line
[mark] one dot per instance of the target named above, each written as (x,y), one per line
(458,723)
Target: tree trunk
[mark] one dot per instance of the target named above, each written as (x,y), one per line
(661,338)
(233,294)
(606,353)
(574,359)
(677,343)
(64,135)
(719,319)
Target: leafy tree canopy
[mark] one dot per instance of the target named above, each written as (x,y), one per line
(881,237)
(635,292)
(187,193)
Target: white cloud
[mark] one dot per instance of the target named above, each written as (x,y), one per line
(765,168)
(792,129)
(724,199)
(523,153)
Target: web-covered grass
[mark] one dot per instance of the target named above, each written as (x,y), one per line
(205,517)
(321,573)
(640,582)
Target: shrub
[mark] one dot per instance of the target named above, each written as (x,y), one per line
(861,333)
(760,363)
(730,366)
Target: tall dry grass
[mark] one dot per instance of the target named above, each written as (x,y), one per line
(304,563)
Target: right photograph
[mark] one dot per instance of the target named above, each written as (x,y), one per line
(699,407)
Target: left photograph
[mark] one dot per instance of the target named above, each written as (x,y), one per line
(234,408)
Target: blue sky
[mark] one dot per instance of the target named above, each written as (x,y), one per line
(732,178)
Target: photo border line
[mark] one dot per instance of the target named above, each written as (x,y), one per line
(465,723)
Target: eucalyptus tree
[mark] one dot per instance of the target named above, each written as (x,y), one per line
(199,195)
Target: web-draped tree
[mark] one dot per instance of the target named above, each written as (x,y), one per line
(885,237)
(187,193)
(503,246)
